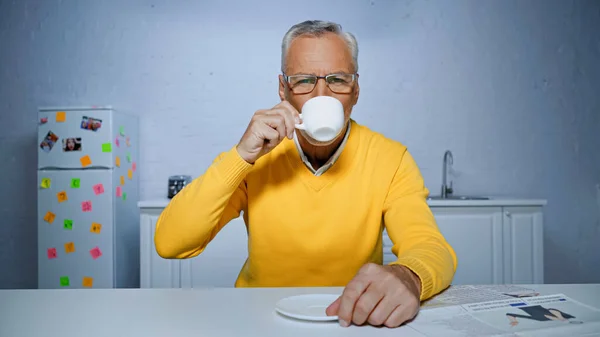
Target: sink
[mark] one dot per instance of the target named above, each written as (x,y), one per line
(447,188)
(457,197)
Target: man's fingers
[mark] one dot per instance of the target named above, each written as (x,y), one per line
(277,123)
(260,112)
(401,314)
(287,105)
(395,318)
(287,120)
(352,292)
(380,295)
(383,310)
(292,116)
(333,308)
(289,113)
(265,131)
(268,133)
(365,304)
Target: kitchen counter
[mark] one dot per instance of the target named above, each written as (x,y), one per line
(493,201)
(188,312)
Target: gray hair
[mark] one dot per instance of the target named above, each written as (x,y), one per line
(317,28)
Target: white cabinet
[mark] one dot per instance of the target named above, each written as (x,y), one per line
(221,261)
(155,272)
(523,247)
(496,242)
(475,233)
(217,266)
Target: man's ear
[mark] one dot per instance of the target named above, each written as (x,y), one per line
(356,91)
(282,88)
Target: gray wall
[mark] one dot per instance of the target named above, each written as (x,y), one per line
(511,87)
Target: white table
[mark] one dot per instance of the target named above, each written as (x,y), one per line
(223,312)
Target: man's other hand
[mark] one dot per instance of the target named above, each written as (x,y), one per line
(379,295)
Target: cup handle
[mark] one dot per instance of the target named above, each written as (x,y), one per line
(300,126)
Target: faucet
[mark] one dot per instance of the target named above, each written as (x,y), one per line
(448,159)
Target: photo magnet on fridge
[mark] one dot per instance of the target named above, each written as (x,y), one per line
(89,123)
(71,144)
(49,141)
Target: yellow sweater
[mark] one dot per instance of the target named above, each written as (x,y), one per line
(307,230)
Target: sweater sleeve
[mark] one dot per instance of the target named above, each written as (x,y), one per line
(410,224)
(198,212)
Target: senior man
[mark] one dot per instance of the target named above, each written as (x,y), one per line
(315,211)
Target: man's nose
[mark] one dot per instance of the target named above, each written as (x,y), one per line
(321,88)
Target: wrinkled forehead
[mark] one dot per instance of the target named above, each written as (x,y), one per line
(320,55)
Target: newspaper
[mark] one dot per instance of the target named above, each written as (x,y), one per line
(465,294)
(520,312)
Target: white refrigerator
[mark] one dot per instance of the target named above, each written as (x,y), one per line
(88,188)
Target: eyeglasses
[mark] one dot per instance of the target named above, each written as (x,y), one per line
(340,83)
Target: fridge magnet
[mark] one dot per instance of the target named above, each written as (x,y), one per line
(127,141)
(124,196)
(107,147)
(69,247)
(117,142)
(86,206)
(89,123)
(51,253)
(75,182)
(121,131)
(87,282)
(95,252)
(64,281)
(43,120)
(118,161)
(85,161)
(48,143)
(128,158)
(68,224)
(119,191)
(45,183)
(95,228)
(98,189)
(49,217)
(61,116)
(129,174)
(122,180)
(71,144)
(133,167)
(62,196)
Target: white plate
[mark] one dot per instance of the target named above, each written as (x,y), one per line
(309,307)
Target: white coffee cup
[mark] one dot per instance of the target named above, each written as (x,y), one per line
(322,118)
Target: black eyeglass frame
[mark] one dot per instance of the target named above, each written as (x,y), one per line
(317,78)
